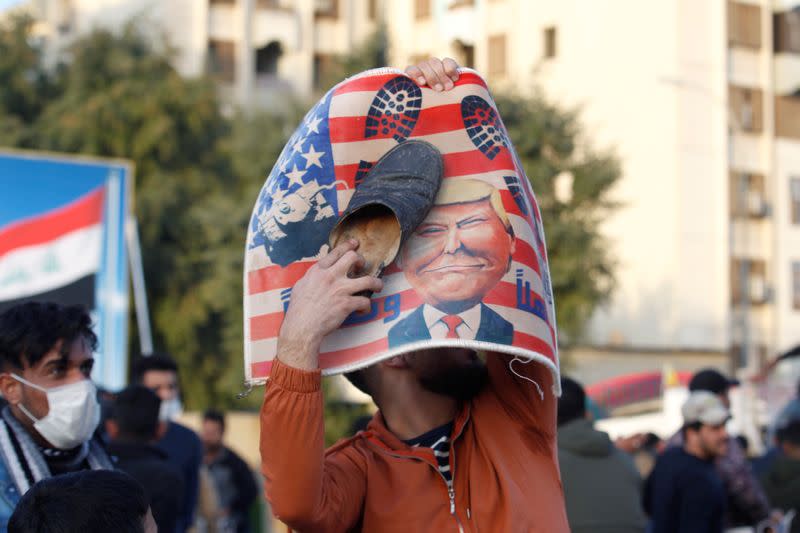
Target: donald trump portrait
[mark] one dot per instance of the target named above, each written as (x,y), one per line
(452,260)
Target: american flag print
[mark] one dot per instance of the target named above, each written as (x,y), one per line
(322,164)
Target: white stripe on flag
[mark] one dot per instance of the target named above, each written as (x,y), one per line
(355,336)
(357,104)
(268,302)
(351,153)
(34,269)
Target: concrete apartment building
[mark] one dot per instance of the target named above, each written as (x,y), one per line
(701,100)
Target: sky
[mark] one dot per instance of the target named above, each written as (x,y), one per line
(8,3)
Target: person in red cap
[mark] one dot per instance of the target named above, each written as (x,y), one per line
(458,444)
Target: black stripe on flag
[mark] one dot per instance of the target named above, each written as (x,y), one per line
(79,292)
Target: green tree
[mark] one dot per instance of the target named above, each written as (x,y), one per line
(24,85)
(550,144)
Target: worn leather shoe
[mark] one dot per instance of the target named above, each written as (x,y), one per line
(390,203)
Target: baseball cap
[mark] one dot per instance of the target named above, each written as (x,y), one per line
(711,380)
(704,407)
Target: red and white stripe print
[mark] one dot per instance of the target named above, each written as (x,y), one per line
(52,250)
(440,122)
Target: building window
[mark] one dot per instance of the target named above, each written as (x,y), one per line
(229,2)
(464,54)
(267,59)
(757,288)
(372,10)
(454,4)
(326,8)
(796,285)
(787,117)
(422,9)
(222,60)
(746,105)
(794,185)
(268,4)
(787,31)
(748,195)
(550,42)
(744,25)
(497,55)
(324,70)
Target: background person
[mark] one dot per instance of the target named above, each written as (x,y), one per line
(47,427)
(747,504)
(84,502)
(684,493)
(232,477)
(602,488)
(133,429)
(159,373)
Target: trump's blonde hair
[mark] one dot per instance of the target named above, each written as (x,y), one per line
(462,191)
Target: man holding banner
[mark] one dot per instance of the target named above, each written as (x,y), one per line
(459,443)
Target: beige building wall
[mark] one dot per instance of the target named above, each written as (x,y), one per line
(690,95)
(661,83)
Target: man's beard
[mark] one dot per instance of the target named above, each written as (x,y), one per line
(460,382)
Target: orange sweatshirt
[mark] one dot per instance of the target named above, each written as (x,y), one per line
(503,461)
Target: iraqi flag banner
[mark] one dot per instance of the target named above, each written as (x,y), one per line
(474,273)
(62,222)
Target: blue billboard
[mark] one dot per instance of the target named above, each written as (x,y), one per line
(62,238)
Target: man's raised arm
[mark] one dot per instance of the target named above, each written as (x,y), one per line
(308,491)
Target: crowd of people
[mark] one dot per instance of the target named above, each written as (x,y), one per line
(461,441)
(698,480)
(78,459)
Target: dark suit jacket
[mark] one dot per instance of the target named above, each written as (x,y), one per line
(493,328)
(161,480)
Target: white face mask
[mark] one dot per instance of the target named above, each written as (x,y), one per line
(170,409)
(73,416)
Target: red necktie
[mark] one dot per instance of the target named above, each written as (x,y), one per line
(452,322)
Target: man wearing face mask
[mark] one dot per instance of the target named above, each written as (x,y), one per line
(48,425)
(159,373)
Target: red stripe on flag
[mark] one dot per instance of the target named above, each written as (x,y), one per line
(523,340)
(525,254)
(374,83)
(439,119)
(262,369)
(504,294)
(276,277)
(351,355)
(84,212)
(265,326)
(455,164)
(367,83)
(474,162)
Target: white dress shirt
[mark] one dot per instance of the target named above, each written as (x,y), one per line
(468,329)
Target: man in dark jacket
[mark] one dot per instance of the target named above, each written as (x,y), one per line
(782,480)
(685,494)
(746,503)
(133,428)
(601,485)
(159,373)
(232,477)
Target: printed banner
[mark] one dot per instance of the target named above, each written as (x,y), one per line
(474,273)
(62,222)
